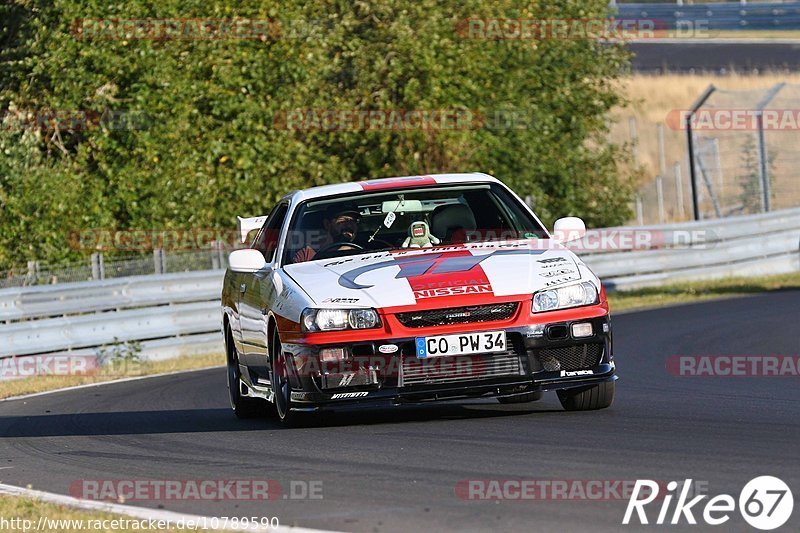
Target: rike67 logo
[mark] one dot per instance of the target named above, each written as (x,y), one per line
(765,503)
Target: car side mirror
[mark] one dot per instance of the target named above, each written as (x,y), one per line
(246,260)
(568,229)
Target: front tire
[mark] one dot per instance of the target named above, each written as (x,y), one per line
(243,407)
(281,388)
(588,399)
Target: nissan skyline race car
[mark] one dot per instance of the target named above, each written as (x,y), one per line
(408,290)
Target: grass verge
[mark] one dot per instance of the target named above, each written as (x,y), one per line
(17,387)
(698,291)
(23,514)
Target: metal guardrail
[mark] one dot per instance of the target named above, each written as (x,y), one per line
(717,16)
(175,314)
(40,301)
(767,243)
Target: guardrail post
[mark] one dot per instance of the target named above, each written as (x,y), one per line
(98,266)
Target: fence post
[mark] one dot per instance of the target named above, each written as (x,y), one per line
(763,166)
(98,266)
(660,198)
(159,261)
(710,187)
(690,142)
(33,273)
(763,161)
(639,210)
(662,156)
(215,255)
(634,139)
(679,190)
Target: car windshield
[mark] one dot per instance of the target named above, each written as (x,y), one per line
(408,218)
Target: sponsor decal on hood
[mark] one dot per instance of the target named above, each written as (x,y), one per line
(439,276)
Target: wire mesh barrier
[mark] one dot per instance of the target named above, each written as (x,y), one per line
(744,150)
(98,267)
(738,156)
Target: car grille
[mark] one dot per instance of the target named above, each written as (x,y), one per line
(570,357)
(457,315)
(441,370)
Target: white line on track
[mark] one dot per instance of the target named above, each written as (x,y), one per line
(128,510)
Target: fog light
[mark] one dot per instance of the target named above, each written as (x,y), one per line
(328,355)
(583,329)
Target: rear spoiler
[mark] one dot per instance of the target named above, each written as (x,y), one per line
(246,225)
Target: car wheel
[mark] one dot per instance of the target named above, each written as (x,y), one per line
(282,390)
(243,407)
(588,399)
(522,398)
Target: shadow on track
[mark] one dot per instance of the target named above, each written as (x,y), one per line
(215,420)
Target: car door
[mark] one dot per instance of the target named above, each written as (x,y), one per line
(257,291)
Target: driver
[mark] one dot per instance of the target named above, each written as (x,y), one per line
(341,224)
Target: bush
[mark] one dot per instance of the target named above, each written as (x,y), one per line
(207,142)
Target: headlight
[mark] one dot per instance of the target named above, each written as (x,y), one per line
(339,319)
(570,296)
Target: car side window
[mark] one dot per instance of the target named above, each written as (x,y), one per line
(268,238)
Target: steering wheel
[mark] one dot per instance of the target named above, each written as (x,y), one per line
(321,253)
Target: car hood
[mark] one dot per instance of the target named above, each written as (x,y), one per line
(439,277)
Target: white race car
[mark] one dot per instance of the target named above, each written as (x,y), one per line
(413,289)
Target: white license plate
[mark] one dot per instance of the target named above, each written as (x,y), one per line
(461,344)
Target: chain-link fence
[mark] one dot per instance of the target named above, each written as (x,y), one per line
(739,154)
(745,150)
(97,266)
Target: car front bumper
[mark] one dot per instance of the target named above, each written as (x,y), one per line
(538,357)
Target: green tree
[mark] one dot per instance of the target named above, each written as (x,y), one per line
(208,143)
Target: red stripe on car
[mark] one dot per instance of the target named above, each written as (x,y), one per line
(397,183)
